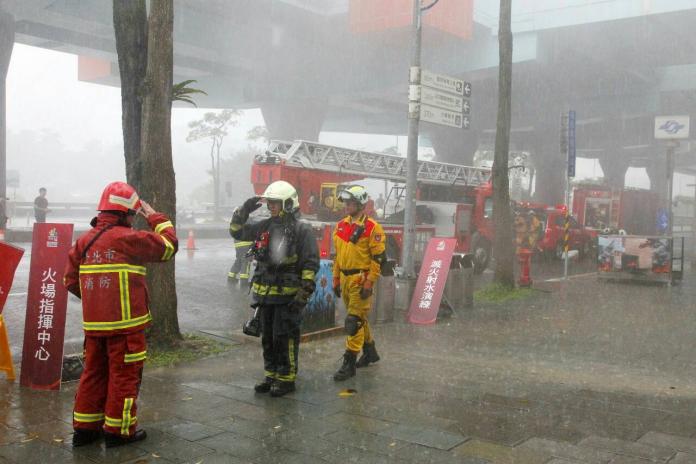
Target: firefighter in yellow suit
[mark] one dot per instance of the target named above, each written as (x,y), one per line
(359,243)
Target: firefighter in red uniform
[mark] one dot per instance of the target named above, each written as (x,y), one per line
(106,270)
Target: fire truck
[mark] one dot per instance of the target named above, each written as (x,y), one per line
(548,239)
(602,207)
(452,200)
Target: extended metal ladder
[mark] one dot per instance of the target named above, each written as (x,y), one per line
(313,155)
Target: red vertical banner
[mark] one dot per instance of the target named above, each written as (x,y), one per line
(9,260)
(44,327)
(427,295)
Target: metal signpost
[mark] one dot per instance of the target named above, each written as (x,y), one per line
(672,129)
(434,98)
(568,150)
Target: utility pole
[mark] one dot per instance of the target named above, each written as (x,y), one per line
(409,242)
(671,145)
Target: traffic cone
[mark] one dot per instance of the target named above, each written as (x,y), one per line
(190,242)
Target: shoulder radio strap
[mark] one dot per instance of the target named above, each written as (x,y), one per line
(94,239)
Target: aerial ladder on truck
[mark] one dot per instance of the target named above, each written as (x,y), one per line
(313,155)
(311,165)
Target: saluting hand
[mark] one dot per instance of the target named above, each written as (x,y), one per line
(145,209)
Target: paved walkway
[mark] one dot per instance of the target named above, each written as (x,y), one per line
(591,372)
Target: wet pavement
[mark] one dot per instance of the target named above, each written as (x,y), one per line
(206,301)
(584,372)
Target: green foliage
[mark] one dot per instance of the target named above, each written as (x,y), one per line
(258,133)
(393,150)
(183,93)
(191,348)
(497,293)
(213,126)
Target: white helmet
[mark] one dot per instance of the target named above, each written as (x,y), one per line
(354,192)
(285,192)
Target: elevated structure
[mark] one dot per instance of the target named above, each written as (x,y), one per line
(314,65)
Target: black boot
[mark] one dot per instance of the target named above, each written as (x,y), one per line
(347,369)
(111,440)
(369,355)
(280,388)
(85,437)
(264,386)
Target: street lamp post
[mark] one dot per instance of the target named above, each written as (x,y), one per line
(409,242)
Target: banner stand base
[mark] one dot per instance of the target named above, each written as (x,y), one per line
(5,353)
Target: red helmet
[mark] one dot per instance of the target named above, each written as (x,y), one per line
(119,196)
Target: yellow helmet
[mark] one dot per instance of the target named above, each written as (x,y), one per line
(285,192)
(354,192)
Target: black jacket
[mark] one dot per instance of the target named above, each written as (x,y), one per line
(286,254)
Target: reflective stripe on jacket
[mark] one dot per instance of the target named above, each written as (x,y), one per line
(292,256)
(110,279)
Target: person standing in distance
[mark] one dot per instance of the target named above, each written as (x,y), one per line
(41,206)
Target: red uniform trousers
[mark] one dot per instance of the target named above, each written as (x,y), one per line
(110,383)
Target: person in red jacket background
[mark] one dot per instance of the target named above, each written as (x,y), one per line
(106,270)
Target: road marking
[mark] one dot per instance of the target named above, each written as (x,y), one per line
(574,276)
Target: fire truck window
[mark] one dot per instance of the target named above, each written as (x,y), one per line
(488,208)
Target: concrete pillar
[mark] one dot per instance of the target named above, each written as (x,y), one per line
(614,165)
(7,32)
(657,173)
(454,145)
(296,119)
(550,165)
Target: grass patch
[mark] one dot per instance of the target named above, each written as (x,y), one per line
(190,348)
(496,293)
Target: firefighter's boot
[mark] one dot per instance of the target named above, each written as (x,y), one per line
(264,386)
(85,437)
(347,369)
(369,355)
(112,441)
(280,388)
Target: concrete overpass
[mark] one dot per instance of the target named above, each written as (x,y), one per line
(618,63)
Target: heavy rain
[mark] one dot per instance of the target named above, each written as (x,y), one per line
(364,231)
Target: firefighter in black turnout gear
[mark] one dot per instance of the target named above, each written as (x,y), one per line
(287,260)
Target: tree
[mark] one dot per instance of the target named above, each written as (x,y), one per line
(130,27)
(503,248)
(145,56)
(258,134)
(158,183)
(183,93)
(393,150)
(213,126)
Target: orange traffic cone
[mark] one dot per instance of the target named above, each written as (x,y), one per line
(190,242)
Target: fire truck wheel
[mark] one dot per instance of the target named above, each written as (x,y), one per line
(482,253)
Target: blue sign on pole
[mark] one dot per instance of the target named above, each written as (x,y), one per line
(571,143)
(662,220)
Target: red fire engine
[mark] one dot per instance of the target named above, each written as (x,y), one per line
(601,207)
(453,200)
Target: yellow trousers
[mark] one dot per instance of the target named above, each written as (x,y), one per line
(350,291)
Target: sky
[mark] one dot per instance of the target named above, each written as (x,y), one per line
(66,134)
